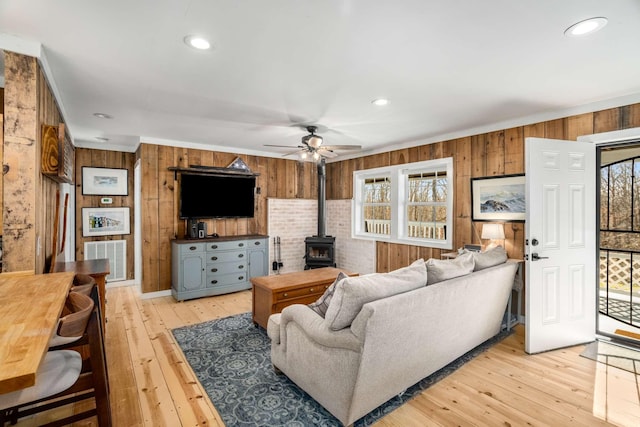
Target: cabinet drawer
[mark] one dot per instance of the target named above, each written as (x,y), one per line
(225,246)
(256,243)
(228,256)
(226,279)
(316,290)
(188,248)
(226,268)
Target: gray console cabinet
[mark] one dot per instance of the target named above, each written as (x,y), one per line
(217,266)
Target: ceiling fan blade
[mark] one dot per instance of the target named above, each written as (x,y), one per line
(327,153)
(282,146)
(342,147)
(292,153)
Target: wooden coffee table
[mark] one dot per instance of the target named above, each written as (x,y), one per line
(273,293)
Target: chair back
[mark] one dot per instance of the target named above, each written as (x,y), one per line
(75,315)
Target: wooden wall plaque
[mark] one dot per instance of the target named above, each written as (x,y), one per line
(58,154)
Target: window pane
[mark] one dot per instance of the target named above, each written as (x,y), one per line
(377,190)
(620,180)
(428,187)
(427,221)
(377,219)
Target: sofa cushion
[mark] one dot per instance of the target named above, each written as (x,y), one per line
(493,256)
(321,304)
(354,292)
(439,269)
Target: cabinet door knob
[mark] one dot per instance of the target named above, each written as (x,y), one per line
(240,244)
(285,294)
(256,243)
(214,246)
(240,255)
(240,277)
(214,282)
(213,270)
(192,248)
(214,258)
(311,290)
(241,267)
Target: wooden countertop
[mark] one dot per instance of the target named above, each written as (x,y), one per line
(223,238)
(29,308)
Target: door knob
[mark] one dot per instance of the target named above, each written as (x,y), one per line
(536,257)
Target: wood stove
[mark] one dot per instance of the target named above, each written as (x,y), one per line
(319,252)
(320,249)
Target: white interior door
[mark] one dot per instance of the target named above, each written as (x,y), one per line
(561,253)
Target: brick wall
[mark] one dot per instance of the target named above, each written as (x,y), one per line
(294,219)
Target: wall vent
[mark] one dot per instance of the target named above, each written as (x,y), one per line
(115,251)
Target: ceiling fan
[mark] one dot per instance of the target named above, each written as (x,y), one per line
(312,147)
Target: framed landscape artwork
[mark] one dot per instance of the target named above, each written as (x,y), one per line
(500,198)
(105,181)
(105,221)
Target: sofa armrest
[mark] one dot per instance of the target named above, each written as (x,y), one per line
(316,329)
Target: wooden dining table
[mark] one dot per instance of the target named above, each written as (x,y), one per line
(30,307)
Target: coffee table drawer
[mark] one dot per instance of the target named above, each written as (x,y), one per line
(307,299)
(297,293)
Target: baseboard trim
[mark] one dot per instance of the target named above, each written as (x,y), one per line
(158,294)
(120,283)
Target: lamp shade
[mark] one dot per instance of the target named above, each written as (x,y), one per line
(493,231)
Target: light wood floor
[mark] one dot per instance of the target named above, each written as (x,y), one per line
(152,385)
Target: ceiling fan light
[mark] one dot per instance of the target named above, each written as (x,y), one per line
(315,141)
(316,155)
(303,155)
(380,102)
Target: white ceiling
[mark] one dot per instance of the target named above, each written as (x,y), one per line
(449,68)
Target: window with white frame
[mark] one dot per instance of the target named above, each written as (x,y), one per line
(410,203)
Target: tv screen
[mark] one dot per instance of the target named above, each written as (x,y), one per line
(211,196)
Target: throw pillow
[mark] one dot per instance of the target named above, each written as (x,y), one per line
(439,269)
(354,292)
(493,256)
(321,305)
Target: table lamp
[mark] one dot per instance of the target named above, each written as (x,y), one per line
(492,232)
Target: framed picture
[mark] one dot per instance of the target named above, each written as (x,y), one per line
(105,221)
(500,198)
(105,181)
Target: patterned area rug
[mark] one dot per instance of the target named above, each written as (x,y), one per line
(231,358)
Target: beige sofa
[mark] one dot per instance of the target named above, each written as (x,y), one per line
(392,342)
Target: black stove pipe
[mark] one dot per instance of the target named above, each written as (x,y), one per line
(322,195)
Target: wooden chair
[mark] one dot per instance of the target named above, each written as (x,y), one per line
(73,323)
(91,380)
(83,283)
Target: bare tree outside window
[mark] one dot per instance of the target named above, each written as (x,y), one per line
(426,207)
(377,205)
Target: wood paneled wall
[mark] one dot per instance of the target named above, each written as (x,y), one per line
(490,154)
(28,197)
(279,178)
(104,159)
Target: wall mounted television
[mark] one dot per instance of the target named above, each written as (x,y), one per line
(216,196)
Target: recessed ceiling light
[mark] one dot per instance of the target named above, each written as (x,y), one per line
(380,102)
(197,42)
(102,138)
(103,116)
(585,27)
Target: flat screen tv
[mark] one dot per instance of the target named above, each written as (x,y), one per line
(216,196)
